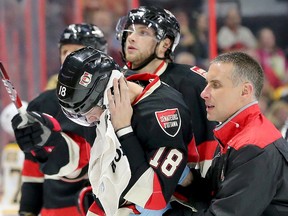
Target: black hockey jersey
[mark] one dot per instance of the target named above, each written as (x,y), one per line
(48,194)
(162,129)
(190,82)
(156,150)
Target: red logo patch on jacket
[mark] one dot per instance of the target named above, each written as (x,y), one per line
(199,71)
(169,121)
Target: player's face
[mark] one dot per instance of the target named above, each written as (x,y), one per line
(222,97)
(66,49)
(140,43)
(94,114)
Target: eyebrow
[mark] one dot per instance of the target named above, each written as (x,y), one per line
(213,81)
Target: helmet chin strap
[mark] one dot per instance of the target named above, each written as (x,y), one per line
(145,62)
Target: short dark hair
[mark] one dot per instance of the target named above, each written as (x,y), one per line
(246,68)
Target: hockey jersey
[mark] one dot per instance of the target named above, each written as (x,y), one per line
(46,193)
(190,82)
(156,149)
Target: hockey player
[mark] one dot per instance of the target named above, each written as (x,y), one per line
(148,37)
(143,130)
(47,194)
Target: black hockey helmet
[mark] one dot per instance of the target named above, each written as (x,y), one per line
(82,80)
(84,34)
(161,20)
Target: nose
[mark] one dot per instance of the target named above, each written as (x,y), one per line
(204,94)
(94,114)
(91,118)
(131,36)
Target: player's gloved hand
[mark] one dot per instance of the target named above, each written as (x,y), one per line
(85,200)
(38,136)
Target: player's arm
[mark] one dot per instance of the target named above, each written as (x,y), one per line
(191,88)
(156,177)
(32,187)
(155,166)
(43,138)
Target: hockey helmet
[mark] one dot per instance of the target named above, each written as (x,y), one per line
(84,34)
(82,80)
(161,20)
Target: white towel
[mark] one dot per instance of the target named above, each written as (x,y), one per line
(107,183)
(115,74)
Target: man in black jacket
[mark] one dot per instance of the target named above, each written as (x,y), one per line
(249,174)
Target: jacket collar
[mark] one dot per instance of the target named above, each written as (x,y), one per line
(225,131)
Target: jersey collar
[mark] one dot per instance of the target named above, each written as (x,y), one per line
(154,83)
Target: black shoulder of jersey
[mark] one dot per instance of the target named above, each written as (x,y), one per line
(46,102)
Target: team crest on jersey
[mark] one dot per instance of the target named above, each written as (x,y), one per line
(169,121)
(199,71)
(85,79)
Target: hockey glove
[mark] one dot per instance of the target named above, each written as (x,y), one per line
(85,200)
(38,136)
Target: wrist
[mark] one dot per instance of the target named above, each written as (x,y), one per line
(123,131)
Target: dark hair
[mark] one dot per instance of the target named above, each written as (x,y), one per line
(245,69)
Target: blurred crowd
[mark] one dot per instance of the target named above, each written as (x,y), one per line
(263,46)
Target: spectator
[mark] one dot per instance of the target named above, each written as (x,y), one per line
(187,39)
(185,58)
(272,59)
(105,19)
(118,8)
(11,165)
(278,113)
(201,45)
(233,35)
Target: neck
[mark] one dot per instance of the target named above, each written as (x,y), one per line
(135,90)
(151,67)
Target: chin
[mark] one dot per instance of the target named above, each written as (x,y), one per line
(210,118)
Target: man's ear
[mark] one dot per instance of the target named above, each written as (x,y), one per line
(247,89)
(167,43)
(164,45)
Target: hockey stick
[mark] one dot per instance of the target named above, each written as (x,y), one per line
(14,96)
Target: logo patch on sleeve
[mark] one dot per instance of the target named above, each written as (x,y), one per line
(169,121)
(199,71)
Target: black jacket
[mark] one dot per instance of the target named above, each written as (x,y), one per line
(249,173)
